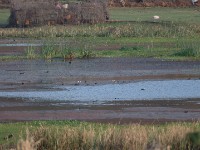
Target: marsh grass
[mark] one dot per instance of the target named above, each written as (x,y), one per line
(134,29)
(49,49)
(97,136)
(87,51)
(87,47)
(31,52)
(187,48)
(66,51)
(82,135)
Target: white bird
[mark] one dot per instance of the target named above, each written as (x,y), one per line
(194,1)
(156,17)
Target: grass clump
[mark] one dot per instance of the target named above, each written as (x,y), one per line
(48,51)
(189,52)
(62,49)
(193,140)
(84,53)
(31,52)
(188,48)
(66,51)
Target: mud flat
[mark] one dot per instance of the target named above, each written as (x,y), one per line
(116,90)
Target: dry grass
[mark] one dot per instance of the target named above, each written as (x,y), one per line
(118,30)
(28,143)
(138,137)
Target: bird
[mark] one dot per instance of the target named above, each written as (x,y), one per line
(156,17)
(194,2)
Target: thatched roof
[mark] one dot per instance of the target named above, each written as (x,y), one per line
(40,12)
(32,12)
(90,11)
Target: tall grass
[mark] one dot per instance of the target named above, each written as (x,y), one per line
(138,137)
(31,52)
(137,29)
(64,49)
(49,49)
(188,48)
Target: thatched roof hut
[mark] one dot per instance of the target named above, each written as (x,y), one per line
(32,12)
(43,12)
(87,12)
(94,11)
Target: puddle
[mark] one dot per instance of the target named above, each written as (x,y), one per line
(144,90)
(19,45)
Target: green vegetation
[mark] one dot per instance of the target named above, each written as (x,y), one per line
(82,135)
(4,15)
(167,14)
(31,52)
(174,36)
(117,47)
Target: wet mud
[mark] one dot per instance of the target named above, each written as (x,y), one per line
(40,75)
(112,112)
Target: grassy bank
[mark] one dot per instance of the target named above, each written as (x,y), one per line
(116,47)
(174,36)
(82,135)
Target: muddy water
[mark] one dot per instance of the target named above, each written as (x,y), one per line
(145,90)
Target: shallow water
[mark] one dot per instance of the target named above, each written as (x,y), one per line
(19,45)
(144,90)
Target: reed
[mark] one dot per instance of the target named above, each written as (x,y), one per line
(31,52)
(49,50)
(171,136)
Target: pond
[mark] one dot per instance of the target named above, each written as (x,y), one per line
(141,90)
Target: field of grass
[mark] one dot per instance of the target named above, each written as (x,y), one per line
(4,15)
(181,15)
(81,135)
(174,36)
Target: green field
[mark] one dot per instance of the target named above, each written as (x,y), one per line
(183,15)
(174,36)
(4,15)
